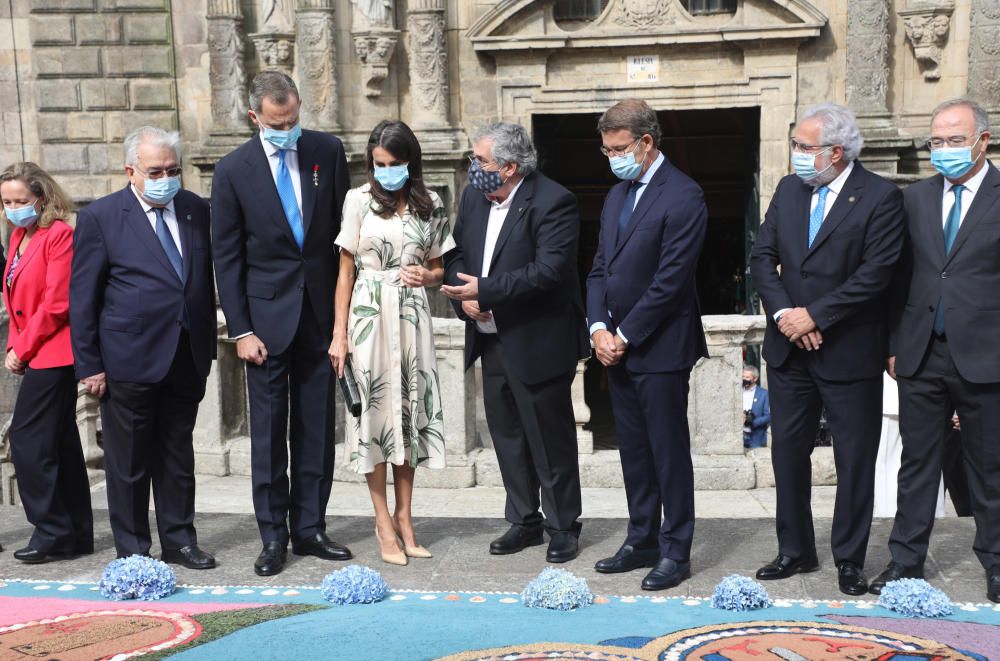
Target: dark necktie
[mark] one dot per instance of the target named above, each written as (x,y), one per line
(950,232)
(167,241)
(629,207)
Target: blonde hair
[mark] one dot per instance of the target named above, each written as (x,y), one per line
(56,204)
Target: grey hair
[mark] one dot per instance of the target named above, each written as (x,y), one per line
(150,135)
(273,85)
(982,117)
(839,127)
(753,370)
(511,144)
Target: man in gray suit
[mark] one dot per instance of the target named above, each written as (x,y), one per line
(944,349)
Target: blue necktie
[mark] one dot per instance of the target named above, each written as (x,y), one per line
(286,191)
(950,232)
(629,207)
(816,217)
(167,241)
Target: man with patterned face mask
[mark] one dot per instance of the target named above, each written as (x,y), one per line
(822,262)
(944,353)
(512,277)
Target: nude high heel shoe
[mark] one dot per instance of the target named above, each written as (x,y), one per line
(391,558)
(417,551)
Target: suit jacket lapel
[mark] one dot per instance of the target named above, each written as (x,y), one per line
(137,220)
(646,202)
(29,252)
(518,206)
(849,194)
(932,199)
(186,227)
(307,165)
(259,178)
(987,195)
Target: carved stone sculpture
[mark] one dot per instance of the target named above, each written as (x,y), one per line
(376,13)
(926,27)
(227,75)
(647,13)
(275,16)
(428,53)
(984,53)
(316,63)
(275,50)
(868,56)
(375,49)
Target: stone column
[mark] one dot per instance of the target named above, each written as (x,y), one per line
(427,49)
(87,414)
(984,53)
(316,63)
(227,74)
(868,30)
(581,413)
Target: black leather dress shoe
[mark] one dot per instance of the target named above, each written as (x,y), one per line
(321,546)
(893,572)
(627,559)
(784,566)
(851,579)
(516,539)
(993,583)
(666,574)
(563,547)
(271,559)
(191,557)
(30,556)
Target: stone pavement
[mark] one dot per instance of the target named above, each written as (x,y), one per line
(735,533)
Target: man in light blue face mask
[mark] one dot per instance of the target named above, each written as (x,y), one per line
(822,262)
(944,353)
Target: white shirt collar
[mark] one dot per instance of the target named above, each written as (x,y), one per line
(838,183)
(146,206)
(646,178)
(972,185)
(270,149)
(510,197)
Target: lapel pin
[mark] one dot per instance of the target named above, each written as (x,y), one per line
(316,175)
(850,199)
(189,216)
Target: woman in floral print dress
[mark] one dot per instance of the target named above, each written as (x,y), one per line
(393,234)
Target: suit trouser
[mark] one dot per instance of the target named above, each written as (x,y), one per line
(48,458)
(854,411)
(926,402)
(299,379)
(655,447)
(534,435)
(148,440)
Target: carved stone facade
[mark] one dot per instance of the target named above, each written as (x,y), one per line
(78,74)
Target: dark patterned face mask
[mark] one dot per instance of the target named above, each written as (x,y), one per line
(483,181)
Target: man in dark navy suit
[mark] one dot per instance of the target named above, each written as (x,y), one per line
(823,260)
(512,276)
(276,204)
(645,325)
(142,322)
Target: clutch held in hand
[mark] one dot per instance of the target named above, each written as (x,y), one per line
(349,388)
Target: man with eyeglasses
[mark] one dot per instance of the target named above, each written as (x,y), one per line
(142,322)
(823,260)
(512,278)
(645,325)
(944,351)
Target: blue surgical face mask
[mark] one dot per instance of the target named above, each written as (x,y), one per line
(804,165)
(625,167)
(282,139)
(953,162)
(161,191)
(21,216)
(486,182)
(392,177)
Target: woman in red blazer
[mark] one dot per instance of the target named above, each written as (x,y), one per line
(45,444)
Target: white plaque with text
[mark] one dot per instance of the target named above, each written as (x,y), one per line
(643,68)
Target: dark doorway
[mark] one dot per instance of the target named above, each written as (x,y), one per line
(718,148)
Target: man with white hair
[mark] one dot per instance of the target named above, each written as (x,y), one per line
(142,321)
(512,277)
(823,261)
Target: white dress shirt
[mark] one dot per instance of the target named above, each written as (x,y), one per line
(498,213)
(644,179)
(169,217)
(748,395)
(291,162)
(834,188)
(972,186)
